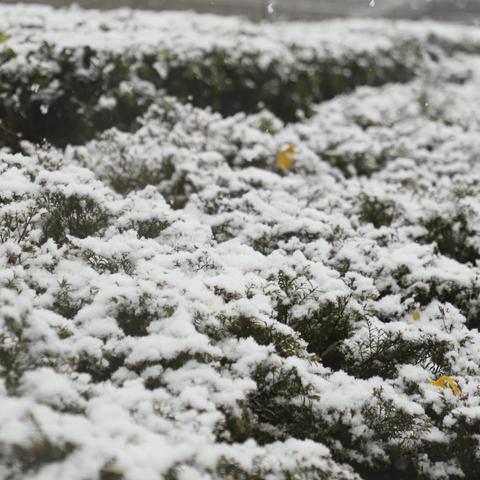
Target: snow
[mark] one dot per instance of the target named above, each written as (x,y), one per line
(140,346)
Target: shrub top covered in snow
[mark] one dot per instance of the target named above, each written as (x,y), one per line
(176,303)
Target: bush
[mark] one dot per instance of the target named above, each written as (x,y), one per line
(175,304)
(68,94)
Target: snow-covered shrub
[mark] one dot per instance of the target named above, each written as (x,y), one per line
(68,87)
(176,302)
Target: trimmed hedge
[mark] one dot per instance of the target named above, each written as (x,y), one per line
(70,94)
(175,303)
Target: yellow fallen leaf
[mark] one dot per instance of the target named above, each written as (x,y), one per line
(447,382)
(3,38)
(286,157)
(416,314)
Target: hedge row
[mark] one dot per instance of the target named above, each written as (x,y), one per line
(247,311)
(68,93)
(180,302)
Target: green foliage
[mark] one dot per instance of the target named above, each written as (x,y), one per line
(66,109)
(229,469)
(279,408)
(20,349)
(100,369)
(26,460)
(451,235)
(130,173)
(242,326)
(325,328)
(466,442)
(12,350)
(391,423)
(381,352)
(71,215)
(64,304)
(380,213)
(325,325)
(151,228)
(134,318)
(465,298)
(231,86)
(400,433)
(357,163)
(19,227)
